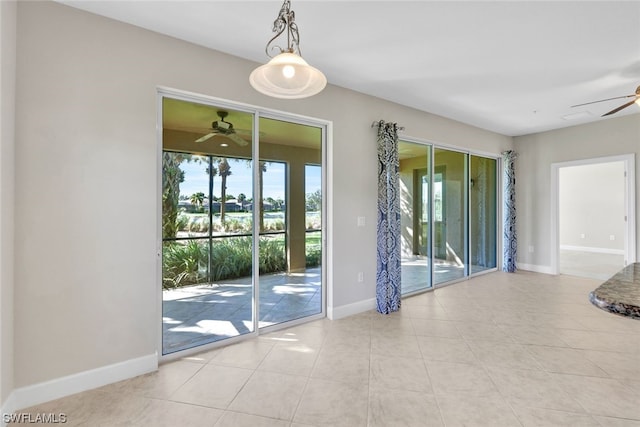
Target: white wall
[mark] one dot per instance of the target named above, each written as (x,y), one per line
(591,206)
(7,145)
(86,181)
(536,153)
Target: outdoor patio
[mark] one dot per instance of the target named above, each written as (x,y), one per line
(415,273)
(201,314)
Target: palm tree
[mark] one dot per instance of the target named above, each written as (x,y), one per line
(225,170)
(172,176)
(197,199)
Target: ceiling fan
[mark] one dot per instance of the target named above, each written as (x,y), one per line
(224,128)
(636,98)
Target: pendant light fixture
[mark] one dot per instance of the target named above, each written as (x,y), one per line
(287,75)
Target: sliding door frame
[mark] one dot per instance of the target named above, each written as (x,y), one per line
(326,128)
(467,237)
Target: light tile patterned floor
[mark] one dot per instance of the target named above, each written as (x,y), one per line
(593,265)
(501,349)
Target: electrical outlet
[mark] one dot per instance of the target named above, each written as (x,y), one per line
(530,249)
(612,237)
(582,236)
(361,221)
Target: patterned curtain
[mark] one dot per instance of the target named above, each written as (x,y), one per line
(510,239)
(388,244)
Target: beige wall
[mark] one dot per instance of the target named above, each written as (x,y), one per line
(7,147)
(536,154)
(86,232)
(591,206)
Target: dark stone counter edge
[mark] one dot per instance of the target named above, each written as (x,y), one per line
(619,308)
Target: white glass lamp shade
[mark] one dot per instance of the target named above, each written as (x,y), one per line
(287,76)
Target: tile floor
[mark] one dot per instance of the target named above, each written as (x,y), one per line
(590,264)
(501,349)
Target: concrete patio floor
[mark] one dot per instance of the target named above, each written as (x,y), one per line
(415,273)
(201,314)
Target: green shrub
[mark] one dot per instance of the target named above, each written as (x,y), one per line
(230,258)
(183,264)
(182,221)
(187,263)
(272,255)
(203,225)
(274,225)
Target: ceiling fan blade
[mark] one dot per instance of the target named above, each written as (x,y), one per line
(207,136)
(619,108)
(602,100)
(235,138)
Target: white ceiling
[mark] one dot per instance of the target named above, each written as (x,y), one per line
(513,67)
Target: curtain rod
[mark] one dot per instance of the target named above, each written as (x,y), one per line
(376,123)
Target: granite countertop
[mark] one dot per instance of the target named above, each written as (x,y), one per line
(621,293)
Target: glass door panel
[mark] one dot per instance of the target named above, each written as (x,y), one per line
(291,231)
(415,213)
(449,215)
(482,209)
(207,261)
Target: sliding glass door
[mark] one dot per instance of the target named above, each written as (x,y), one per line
(448,215)
(207,233)
(241,224)
(291,223)
(482,214)
(415,215)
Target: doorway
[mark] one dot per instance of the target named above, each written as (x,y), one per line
(593,212)
(243,217)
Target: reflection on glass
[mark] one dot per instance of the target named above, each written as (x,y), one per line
(450,215)
(414,216)
(482,220)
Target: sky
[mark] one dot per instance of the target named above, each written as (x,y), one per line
(240,180)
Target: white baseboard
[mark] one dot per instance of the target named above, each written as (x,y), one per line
(593,250)
(36,394)
(335,313)
(545,269)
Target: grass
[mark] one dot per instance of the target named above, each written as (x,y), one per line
(239,222)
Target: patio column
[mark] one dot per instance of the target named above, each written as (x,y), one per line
(296,221)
